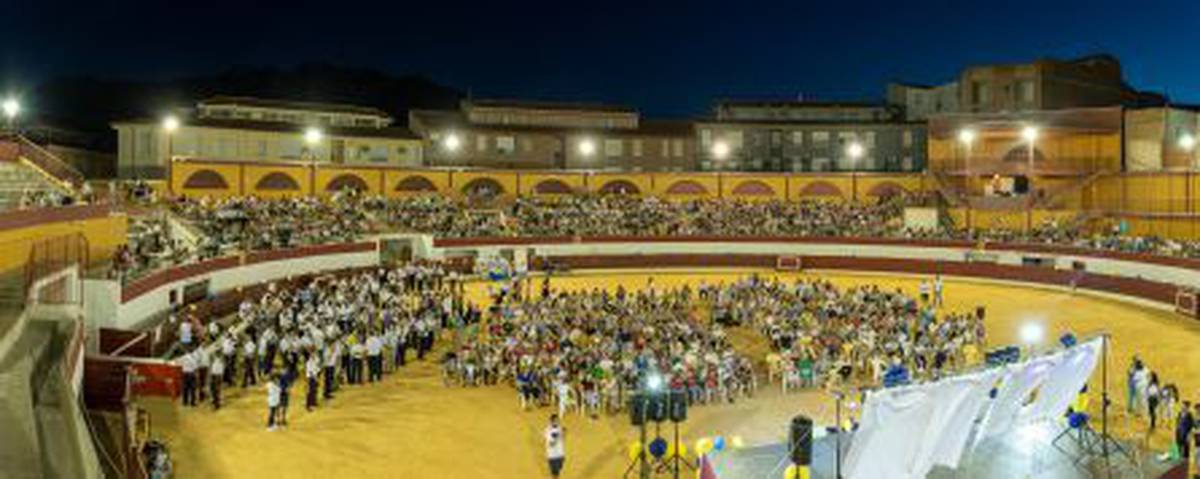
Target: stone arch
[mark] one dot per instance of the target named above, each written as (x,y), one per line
(620,187)
(347,181)
(483,187)
(887,189)
(820,188)
(1020,155)
(277,181)
(552,186)
(753,188)
(415,184)
(206,179)
(686,187)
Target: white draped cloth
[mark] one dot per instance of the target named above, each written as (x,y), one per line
(961,420)
(897,437)
(1019,382)
(1064,382)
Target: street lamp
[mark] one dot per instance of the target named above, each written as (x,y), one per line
(1187,143)
(854,151)
(1030,134)
(720,150)
(587,147)
(451,143)
(11,108)
(169,125)
(312,137)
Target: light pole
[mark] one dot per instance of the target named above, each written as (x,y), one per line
(11,108)
(1030,135)
(854,151)
(312,138)
(966,137)
(1187,143)
(169,125)
(720,151)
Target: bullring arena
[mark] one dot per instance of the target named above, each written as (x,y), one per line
(512,296)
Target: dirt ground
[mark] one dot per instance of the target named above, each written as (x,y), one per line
(411,426)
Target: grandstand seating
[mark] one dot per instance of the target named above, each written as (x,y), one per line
(17,178)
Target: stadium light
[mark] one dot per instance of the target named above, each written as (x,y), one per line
(855,150)
(1032,332)
(170,124)
(1187,142)
(587,147)
(720,150)
(312,136)
(11,108)
(1029,133)
(452,142)
(966,136)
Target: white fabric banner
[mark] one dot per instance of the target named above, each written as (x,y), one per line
(1019,383)
(1064,382)
(953,441)
(899,433)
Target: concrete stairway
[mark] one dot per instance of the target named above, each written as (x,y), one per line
(16,178)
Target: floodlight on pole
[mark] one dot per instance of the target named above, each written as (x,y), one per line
(452,142)
(855,150)
(312,136)
(966,136)
(1029,134)
(587,147)
(11,108)
(1187,142)
(720,150)
(170,124)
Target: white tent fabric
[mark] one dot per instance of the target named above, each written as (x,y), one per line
(1064,382)
(897,436)
(1019,383)
(953,441)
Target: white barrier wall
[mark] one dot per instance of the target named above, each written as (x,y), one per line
(102,300)
(1107,266)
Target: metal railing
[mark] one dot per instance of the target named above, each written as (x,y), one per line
(44,160)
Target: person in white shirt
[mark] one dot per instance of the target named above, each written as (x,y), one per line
(331,360)
(229,351)
(216,374)
(556,453)
(185,333)
(274,392)
(374,358)
(937,290)
(312,369)
(249,375)
(188,364)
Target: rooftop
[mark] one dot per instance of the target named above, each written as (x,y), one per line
(548,105)
(293,105)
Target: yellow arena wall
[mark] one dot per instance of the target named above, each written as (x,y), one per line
(103,234)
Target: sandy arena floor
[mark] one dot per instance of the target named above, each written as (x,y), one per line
(411,426)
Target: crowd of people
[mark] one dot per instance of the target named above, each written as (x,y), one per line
(336,330)
(250,223)
(149,245)
(1160,404)
(588,350)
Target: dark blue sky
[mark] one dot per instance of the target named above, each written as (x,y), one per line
(667,58)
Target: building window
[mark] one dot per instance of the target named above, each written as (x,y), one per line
(637,148)
(526,145)
(612,148)
(798,138)
(678,147)
(666,148)
(705,138)
(1025,91)
(506,145)
(481,143)
(980,93)
(402,151)
(907,139)
(820,139)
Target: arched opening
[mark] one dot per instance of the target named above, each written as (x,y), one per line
(483,188)
(887,189)
(820,189)
(415,184)
(276,181)
(206,180)
(620,187)
(753,188)
(552,187)
(686,187)
(347,181)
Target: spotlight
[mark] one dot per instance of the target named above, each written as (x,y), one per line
(170,124)
(587,147)
(966,136)
(452,142)
(11,107)
(855,150)
(312,136)
(720,150)
(1029,133)
(1187,142)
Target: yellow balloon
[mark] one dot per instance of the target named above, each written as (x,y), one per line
(677,449)
(797,472)
(738,443)
(790,472)
(635,450)
(703,446)
(805,473)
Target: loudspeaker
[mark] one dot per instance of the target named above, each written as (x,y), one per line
(678,406)
(800,440)
(657,408)
(637,409)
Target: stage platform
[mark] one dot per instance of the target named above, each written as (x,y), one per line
(1029,454)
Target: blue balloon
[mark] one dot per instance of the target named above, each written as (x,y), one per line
(658,447)
(719,443)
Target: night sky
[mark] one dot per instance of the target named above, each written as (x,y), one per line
(666,58)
